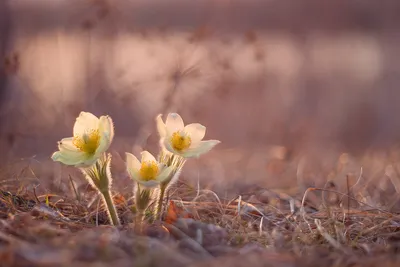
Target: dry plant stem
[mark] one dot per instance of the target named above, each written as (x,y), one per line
(302,210)
(112,211)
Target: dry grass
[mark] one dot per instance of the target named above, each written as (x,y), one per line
(347,218)
(267,228)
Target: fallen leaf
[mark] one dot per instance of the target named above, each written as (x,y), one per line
(176,211)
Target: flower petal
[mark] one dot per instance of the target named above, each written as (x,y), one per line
(161,166)
(68,157)
(174,123)
(196,132)
(134,175)
(69,154)
(176,175)
(201,148)
(106,125)
(147,156)
(104,144)
(167,145)
(86,120)
(106,129)
(165,173)
(161,127)
(162,145)
(149,184)
(132,166)
(67,144)
(88,162)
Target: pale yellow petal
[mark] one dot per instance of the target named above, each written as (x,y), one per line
(69,154)
(67,144)
(167,145)
(88,162)
(135,176)
(161,166)
(196,131)
(200,148)
(106,125)
(147,156)
(161,127)
(176,176)
(68,157)
(162,145)
(103,145)
(165,173)
(106,129)
(133,166)
(132,163)
(85,121)
(174,123)
(148,184)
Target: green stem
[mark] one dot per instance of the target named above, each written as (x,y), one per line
(160,201)
(112,211)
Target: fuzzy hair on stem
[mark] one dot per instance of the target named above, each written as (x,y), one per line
(99,176)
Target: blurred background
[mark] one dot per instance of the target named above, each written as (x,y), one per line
(275,81)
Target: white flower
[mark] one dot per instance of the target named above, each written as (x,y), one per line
(147,172)
(185,141)
(92,136)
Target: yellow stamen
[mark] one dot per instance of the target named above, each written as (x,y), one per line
(180,141)
(149,170)
(88,142)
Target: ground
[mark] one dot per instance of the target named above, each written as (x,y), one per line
(262,227)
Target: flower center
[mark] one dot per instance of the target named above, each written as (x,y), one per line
(149,170)
(180,141)
(88,142)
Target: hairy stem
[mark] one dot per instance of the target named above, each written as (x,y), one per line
(112,211)
(139,221)
(160,201)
